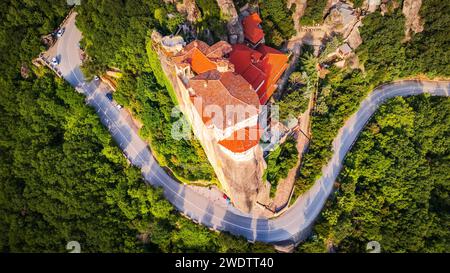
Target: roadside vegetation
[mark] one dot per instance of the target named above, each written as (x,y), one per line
(277,22)
(385,58)
(280,162)
(62,177)
(314,12)
(394,185)
(142,89)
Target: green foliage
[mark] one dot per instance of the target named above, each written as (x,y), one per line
(174,22)
(168,22)
(330,47)
(152,104)
(293,103)
(339,97)
(22,25)
(395,183)
(62,178)
(277,21)
(209,8)
(313,13)
(385,58)
(301,85)
(357,3)
(280,162)
(212,24)
(150,100)
(114,33)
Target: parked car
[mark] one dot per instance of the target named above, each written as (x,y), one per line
(109,96)
(60,32)
(55,61)
(227,198)
(119,106)
(96,78)
(79,89)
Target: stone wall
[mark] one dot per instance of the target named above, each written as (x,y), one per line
(241,178)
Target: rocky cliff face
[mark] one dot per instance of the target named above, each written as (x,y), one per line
(189,8)
(235,30)
(413,22)
(300,6)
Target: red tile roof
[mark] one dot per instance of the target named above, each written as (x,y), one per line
(252,29)
(200,63)
(218,50)
(214,88)
(273,64)
(242,140)
(201,57)
(249,70)
(261,67)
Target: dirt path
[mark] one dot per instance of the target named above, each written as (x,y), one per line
(300,6)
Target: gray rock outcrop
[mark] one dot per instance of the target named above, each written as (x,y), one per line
(413,22)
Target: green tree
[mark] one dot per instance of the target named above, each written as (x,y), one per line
(314,12)
(280,162)
(394,184)
(277,21)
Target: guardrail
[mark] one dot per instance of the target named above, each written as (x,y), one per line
(50,65)
(67,17)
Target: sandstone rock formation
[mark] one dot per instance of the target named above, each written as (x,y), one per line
(413,21)
(235,30)
(187,7)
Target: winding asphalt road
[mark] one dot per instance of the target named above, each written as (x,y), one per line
(289,228)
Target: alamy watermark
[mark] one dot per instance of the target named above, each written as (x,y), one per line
(73,2)
(74,247)
(373,247)
(233,122)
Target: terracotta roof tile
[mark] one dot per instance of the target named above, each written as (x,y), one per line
(261,68)
(218,50)
(242,140)
(252,29)
(222,89)
(200,63)
(202,57)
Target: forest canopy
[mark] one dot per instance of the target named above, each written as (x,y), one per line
(386,57)
(62,177)
(314,12)
(394,185)
(142,88)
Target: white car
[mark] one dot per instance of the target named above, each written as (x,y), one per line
(60,32)
(119,106)
(79,89)
(55,61)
